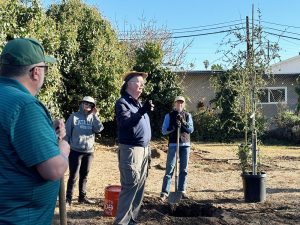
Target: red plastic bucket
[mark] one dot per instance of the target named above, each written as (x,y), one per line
(111,199)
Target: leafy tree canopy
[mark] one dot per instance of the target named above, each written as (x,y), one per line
(92,58)
(27,19)
(162,86)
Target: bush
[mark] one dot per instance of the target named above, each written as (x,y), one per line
(286,119)
(245,157)
(287,125)
(206,126)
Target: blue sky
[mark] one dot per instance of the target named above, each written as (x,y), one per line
(277,16)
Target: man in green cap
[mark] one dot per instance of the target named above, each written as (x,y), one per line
(32,161)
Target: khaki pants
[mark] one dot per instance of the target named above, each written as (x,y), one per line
(133,164)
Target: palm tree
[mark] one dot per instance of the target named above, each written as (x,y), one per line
(206,63)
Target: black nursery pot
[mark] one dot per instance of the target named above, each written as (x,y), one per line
(254,187)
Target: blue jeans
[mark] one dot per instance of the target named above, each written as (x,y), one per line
(184,152)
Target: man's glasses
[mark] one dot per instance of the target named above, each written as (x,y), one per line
(45,68)
(138,82)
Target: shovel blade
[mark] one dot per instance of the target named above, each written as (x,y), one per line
(174,197)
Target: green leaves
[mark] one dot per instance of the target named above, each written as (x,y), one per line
(245,157)
(149,56)
(90,59)
(162,84)
(28,19)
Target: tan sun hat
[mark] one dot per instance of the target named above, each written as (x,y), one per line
(132,74)
(179,98)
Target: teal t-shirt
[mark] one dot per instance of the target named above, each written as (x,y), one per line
(27,138)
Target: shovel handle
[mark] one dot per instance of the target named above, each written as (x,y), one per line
(62,203)
(176,159)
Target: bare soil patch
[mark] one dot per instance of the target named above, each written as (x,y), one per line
(214,187)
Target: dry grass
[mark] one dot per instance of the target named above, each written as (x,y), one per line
(214,177)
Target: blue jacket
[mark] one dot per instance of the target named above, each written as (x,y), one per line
(133,128)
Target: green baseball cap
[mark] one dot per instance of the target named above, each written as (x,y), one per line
(24,52)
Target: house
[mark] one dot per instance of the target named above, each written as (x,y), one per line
(279,91)
(197,88)
(281,86)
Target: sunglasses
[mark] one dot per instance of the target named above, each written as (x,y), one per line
(45,68)
(89,104)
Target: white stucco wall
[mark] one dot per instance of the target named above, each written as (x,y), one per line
(288,66)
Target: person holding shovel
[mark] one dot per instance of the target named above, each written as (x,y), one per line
(134,134)
(81,128)
(33,157)
(178,118)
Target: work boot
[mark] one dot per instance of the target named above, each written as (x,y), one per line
(132,222)
(163,196)
(184,196)
(85,200)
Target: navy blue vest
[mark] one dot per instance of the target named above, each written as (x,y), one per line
(184,135)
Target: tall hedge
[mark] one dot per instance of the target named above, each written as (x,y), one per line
(162,86)
(18,19)
(92,58)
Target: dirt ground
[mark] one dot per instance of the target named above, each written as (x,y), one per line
(214,188)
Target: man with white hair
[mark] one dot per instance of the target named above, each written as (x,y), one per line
(134,135)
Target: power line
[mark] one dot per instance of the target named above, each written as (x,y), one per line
(283,25)
(194,29)
(203,34)
(284,31)
(191,35)
(223,31)
(187,28)
(213,28)
(280,35)
(180,30)
(289,41)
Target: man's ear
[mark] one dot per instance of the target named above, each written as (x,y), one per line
(35,73)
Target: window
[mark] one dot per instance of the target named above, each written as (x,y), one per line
(272,95)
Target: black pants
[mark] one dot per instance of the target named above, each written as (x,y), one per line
(79,163)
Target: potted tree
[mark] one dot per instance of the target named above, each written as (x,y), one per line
(254,184)
(243,87)
(256,64)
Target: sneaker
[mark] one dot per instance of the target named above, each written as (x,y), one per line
(163,196)
(85,200)
(69,201)
(184,196)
